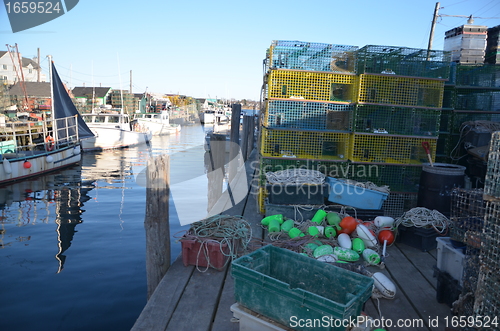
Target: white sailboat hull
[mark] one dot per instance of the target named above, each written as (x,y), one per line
(13,166)
(112,138)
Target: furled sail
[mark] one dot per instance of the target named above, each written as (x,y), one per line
(62,106)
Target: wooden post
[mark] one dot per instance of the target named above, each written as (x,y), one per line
(244,138)
(235,140)
(215,159)
(156,222)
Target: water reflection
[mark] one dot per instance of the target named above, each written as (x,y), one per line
(62,193)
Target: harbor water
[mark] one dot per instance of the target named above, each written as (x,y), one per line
(72,243)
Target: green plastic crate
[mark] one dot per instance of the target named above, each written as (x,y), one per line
(288,287)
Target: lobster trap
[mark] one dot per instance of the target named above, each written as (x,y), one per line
(482,75)
(311,86)
(397,120)
(401,91)
(492,181)
(467,216)
(308,115)
(299,55)
(304,144)
(403,61)
(384,148)
(398,203)
(482,99)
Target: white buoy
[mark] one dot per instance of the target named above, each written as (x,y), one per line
(77,150)
(49,159)
(384,285)
(6,166)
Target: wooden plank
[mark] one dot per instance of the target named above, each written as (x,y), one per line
(197,306)
(399,308)
(413,285)
(224,315)
(161,305)
(423,261)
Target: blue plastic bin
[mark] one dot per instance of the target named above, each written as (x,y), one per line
(355,196)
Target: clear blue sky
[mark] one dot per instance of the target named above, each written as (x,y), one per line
(216,48)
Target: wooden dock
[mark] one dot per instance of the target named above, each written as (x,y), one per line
(191,300)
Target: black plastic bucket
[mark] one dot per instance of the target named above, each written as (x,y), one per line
(436,185)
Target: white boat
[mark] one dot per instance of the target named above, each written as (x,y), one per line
(157,123)
(207,116)
(29,149)
(112,129)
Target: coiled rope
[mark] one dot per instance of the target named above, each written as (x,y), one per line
(421,217)
(223,230)
(295,176)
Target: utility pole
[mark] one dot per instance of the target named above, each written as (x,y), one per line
(39,68)
(431,37)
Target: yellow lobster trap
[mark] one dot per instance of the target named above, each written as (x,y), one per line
(400,90)
(312,85)
(304,144)
(384,148)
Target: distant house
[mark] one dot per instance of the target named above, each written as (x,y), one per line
(38,95)
(30,69)
(84,95)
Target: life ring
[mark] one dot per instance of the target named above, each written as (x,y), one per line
(49,143)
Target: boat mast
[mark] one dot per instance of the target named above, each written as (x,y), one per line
(51,77)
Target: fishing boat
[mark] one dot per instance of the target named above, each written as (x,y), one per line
(157,123)
(29,149)
(207,116)
(112,129)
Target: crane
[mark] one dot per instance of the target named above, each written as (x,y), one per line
(13,51)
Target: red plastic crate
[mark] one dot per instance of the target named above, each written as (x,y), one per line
(204,253)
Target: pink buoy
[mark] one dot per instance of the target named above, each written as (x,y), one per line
(27,164)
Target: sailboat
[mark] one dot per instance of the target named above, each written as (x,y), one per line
(29,149)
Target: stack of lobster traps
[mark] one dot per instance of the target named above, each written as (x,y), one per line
(358,113)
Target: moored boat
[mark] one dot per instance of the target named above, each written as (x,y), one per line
(112,129)
(29,149)
(157,123)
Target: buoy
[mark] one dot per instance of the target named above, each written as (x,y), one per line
(49,143)
(77,150)
(384,285)
(294,232)
(265,221)
(358,245)
(370,256)
(386,235)
(274,226)
(313,231)
(384,221)
(323,250)
(366,235)
(333,218)
(49,159)
(287,225)
(345,254)
(319,216)
(27,164)
(344,240)
(330,232)
(6,166)
(329,258)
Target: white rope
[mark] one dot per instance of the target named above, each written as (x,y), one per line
(421,217)
(295,176)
